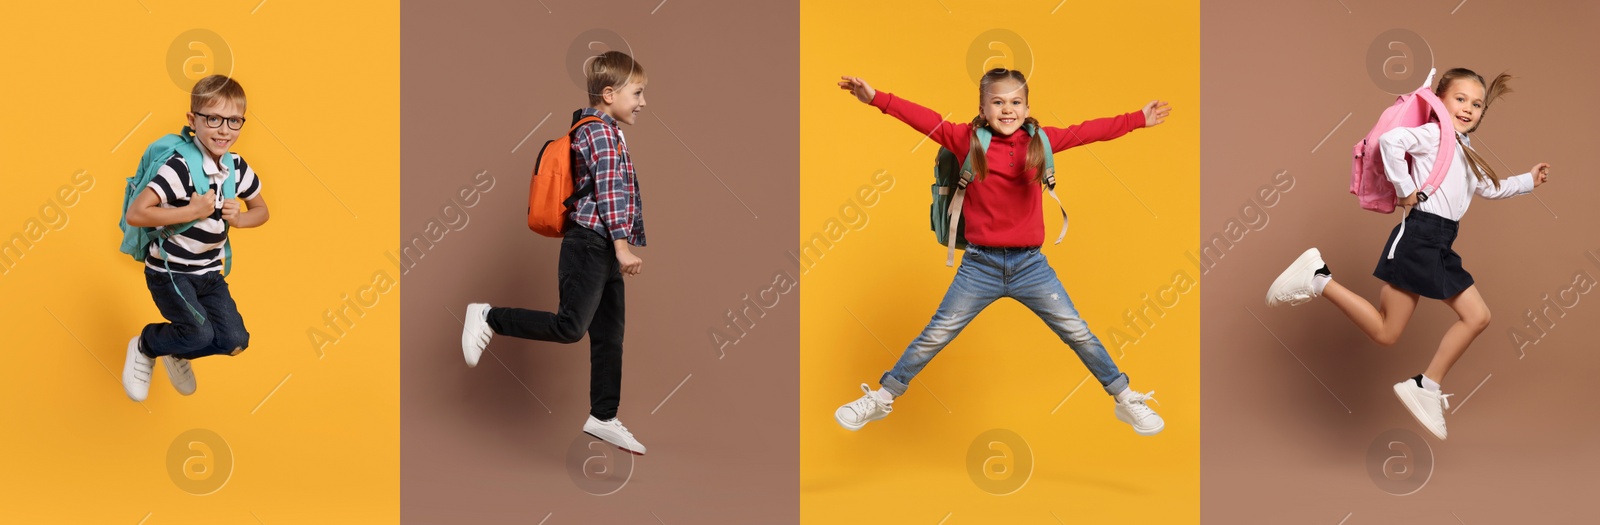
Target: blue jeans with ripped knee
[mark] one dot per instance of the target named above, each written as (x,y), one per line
(986,275)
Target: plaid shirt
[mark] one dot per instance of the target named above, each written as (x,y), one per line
(614,208)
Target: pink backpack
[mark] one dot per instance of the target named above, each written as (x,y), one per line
(1367,179)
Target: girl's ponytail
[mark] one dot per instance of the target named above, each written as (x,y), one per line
(1036,150)
(980,161)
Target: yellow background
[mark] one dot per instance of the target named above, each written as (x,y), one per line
(878,286)
(322,82)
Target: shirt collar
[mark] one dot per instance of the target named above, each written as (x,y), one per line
(208,165)
(592,112)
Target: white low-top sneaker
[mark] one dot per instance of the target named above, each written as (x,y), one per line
(1133,411)
(1294,286)
(1425,405)
(136,372)
(180,373)
(856,414)
(475,333)
(614,433)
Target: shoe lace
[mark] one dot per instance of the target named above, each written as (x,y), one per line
(1136,404)
(1445,400)
(866,404)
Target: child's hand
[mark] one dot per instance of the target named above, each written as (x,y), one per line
(859,88)
(631,264)
(200,206)
(230,211)
(1156,112)
(1541,172)
(1408,201)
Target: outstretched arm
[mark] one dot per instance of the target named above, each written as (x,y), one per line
(1513,186)
(1108,128)
(952,136)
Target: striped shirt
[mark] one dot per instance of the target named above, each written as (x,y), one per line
(614,208)
(198,249)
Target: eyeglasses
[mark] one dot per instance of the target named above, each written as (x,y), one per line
(213,121)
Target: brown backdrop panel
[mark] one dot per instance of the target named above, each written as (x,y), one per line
(1298,407)
(484,84)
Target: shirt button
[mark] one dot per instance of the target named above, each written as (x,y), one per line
(1013,164)
(1013,153)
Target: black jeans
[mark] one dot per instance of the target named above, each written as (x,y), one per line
(184,336)
(591,301)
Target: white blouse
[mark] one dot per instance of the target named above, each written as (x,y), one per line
(1455,191)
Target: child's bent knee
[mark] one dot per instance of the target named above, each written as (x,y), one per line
(1479,321)
(238,341)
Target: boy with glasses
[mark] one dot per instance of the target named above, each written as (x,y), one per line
(184,270)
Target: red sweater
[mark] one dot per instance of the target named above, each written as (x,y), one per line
(1003,210)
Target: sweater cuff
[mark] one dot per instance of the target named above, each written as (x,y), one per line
(880,100)
(1138,118)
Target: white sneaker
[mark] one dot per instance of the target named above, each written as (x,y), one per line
(1425,405)
(475,333)
(614,433)
(1135,412)
(856,414)
(136,372)
(181,375)
(1294,286)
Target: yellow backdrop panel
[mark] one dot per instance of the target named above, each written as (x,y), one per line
(303,426)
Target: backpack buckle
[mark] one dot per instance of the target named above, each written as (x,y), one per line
(1422,197)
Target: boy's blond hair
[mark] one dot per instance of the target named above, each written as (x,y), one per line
(214,88)
(612,69)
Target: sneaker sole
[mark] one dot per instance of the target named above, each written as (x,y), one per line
(1136,430)
(619,447)
(1307,262)
(1414,406)
(474,324)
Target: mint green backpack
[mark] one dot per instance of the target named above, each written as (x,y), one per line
(135,239)
(950,180)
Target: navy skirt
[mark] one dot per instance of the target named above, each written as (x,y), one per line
(1418,258)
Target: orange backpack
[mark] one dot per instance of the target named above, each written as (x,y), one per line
(550,195)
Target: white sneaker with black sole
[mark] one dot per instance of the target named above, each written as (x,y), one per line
(856,414)
(1131,409)
(179,371)
(136,371)
(1296,285)
(475,334)
(1425,405)
(614,433)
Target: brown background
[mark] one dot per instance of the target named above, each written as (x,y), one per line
(475,445)
(1277,446)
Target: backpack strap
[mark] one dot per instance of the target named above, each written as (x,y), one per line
(230,191)
(1050,179)
(984,135)
(588,189)
(1447,149)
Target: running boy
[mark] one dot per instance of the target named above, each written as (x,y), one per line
(606,219)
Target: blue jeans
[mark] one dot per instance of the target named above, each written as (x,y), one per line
(183,336)
(985,275)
